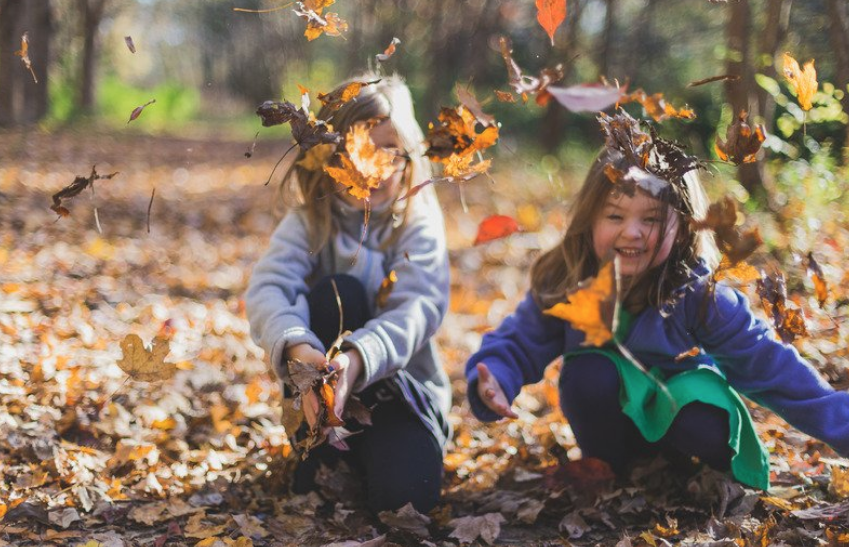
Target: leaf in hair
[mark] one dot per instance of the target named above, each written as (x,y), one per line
(335,99)
(306,129)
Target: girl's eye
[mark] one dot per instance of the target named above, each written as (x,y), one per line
(652,220)
(614,217)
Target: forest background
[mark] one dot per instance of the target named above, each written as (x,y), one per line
(166,246)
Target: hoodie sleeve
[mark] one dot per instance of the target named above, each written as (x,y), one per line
(418,301)
(516,353)
(768,371)
(275,301)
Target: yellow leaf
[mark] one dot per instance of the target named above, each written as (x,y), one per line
(317,157)
(143,365)
(386,287)
(365,165)
(804,80)
(588,307)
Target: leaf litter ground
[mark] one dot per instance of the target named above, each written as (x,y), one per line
(92,458)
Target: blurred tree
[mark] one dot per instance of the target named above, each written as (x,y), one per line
(839,34)
(22,100)
(91,14)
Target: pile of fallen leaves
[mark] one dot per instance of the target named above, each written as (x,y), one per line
(199,457)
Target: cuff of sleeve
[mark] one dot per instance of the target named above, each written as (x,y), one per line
(291,337)
(373,354)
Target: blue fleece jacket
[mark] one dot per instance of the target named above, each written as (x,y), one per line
(740,346)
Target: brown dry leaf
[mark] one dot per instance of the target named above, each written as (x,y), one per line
(804,81)
(337,98)
(742,143)
(657,107)
(74,189)
(138,110)
(306,129)
(407,519)
(788,322)
(468,529)
(197,528)
(388,52)
(365,165)
(130,45)
(529,85)
(385,289)
(317,24)
(590,308)
(456,133)
(818,277)
(504,96)
(23,53)
(250,526)
(722,219)
(145,365)
(468,99)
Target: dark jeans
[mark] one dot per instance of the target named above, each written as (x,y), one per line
(589,397)
(397,457)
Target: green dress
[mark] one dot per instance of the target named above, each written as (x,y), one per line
(653,409)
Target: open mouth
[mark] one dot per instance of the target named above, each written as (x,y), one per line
(630,253)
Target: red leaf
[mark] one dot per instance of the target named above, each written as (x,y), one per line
(496,227)
(550,14)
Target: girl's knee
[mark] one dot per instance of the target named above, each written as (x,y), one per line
(590,380)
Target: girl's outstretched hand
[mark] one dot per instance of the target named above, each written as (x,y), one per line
(491,393)
(350,365)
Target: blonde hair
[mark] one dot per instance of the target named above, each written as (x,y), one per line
(560,269)
(313,192)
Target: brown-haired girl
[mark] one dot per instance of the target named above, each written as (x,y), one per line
(636,205)
(389,358)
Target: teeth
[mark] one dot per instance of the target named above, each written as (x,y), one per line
(629,252)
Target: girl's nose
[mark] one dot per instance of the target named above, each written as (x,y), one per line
(633,230)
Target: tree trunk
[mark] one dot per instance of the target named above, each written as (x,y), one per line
(22,100)
(607,37)
(777,21)
(91,13)
(740,92)
(839,35)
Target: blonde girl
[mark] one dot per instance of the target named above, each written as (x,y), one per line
(389,360)
(617,413)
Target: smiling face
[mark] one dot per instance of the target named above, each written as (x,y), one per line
(629,227)
(383,136)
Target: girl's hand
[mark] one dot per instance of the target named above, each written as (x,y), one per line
(350,365)
(305,353)
(491,393)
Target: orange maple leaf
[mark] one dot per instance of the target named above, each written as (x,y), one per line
(804,81)
(341,96)
(457,134)
(590,308)
(550,14)
(317,24)
(742,143)
(657,107)
(364,166)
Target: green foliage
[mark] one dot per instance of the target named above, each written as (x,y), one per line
(175,105)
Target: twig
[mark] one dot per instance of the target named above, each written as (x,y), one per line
(278,163)
(149,205)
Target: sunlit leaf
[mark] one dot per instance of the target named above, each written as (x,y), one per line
(550,15)
(365,165)
(496,227)
(804,80)
(589,308)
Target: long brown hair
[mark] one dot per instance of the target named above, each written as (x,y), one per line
(559,270)
(314,191)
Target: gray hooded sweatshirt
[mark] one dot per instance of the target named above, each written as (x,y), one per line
(397,342)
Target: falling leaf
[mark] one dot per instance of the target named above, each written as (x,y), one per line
(306,129)
(129,41)
(587,97)
(343,95)
(388,52)
(657,107)
(719,78)
(529,85)
(550,14)
(467,99)
(456,133)
(788,322)
(692,352)
(590,307)
(496,227)
(504,96)
(468,529)
(250,151)
(145,365)
(317,24)
(317,157)
(74,189)
(742,272)
(365,166)
(385,289)
(722,219)
(804,81)
(818,278)
(23,53)
(742,143)
(138,110)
